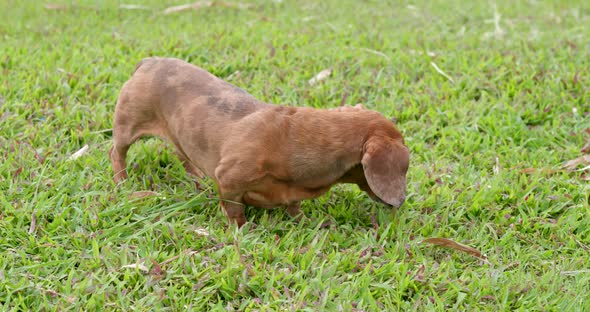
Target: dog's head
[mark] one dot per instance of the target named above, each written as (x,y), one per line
(385,162)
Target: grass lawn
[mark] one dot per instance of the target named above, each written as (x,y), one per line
(492,99)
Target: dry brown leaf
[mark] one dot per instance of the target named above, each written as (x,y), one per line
(50,292)
(184,7)
(420,274)
(376,53)
(440,71)
(205,4)
(139,266)
(142,194)
(586,148)
(156,269)
(528,170)
(541,170)
(572,164)
(33,223)
(574,273)
(64,7)
(79,153)
(497,168)
(584,246)
(374,222)
(133,7)
(55,6)
(272,50)
(17,172)
(202,232)
(320,76)
(236,74)
(232,5)
(445,242)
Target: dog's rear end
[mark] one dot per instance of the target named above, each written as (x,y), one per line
(181,103)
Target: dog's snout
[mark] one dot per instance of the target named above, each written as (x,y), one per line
(398,203)
(394,204)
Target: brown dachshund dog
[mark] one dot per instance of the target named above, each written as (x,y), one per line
(258,154)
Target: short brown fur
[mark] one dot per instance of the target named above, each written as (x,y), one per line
(258,154)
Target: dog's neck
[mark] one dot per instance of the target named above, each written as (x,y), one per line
(336,132)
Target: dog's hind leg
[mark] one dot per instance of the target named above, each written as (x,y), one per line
(294,210)
(131,122)
(190,168)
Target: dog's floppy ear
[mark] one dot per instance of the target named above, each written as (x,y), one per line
(385,163)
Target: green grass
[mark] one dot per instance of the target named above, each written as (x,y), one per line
(509,107)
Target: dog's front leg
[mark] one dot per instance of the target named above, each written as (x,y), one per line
(233,208)
(294,210)
(233,177)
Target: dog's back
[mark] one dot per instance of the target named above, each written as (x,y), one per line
(181,103)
